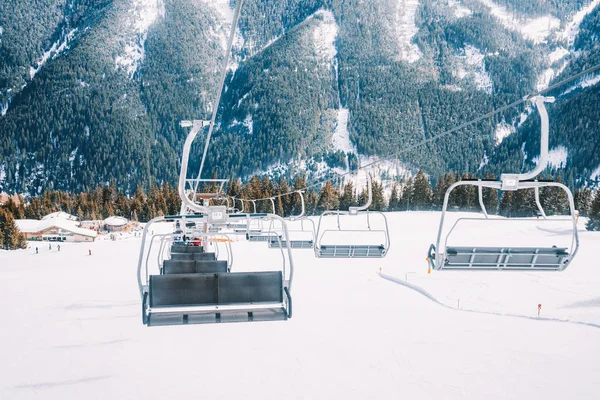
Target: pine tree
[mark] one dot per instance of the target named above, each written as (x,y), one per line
(422,192)
(347,198)
(328,198)
(593,223)
(394,204)
(378,203)
(444,182)
(407,195)
(11,237)
(583,201)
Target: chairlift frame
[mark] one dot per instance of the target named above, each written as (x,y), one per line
(353,250)
(509,258)
(297,243)
(219,312)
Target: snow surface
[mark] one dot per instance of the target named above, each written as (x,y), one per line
(459,10)
(572,27)
(472,67)
(57,48)
(341,136)
(249,124)
(594,176)
(142,14)
(72,327)
(591,81)
(558,54)
(406,29)
(324,35)
(535,29)
(557,157)
(503,130)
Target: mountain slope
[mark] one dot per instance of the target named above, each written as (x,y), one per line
(97,94)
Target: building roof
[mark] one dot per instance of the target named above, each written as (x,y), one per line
(60,215)
(116,221)
(35,226)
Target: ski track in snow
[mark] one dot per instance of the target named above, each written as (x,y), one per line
(432,298)
(141,15)
(406,30)
(324,34)
(341,136)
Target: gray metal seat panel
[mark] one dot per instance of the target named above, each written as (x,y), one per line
(260,238)
(294,244)
(190,267)
(546,258)
(215,289)
(272,314)
(193,256)
(183,289)
(186,249)
(251,288)
(352,251)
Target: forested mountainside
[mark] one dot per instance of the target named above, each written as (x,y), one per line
(93,91)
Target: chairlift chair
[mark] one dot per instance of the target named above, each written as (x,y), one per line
(302,219)
(194,293)
(324,249)
(442,256)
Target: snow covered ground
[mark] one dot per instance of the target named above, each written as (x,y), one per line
(71,327)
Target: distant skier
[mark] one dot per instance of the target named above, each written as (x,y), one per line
(49,246)
(37,250)
(90,251)
(59,247)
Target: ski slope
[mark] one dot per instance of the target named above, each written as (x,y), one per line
(71,327)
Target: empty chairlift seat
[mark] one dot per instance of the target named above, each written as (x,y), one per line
(505,258)
(294,244)
(171,267)
(219,297)
(262,236)
(177,248)
(193,256)
(351,251)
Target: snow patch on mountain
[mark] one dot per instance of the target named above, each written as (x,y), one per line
(248,123)
(324,35)
(141,15)
(557,157)
(594,176)
(503,130)
(558,54)
(341,137)
(590,81)
(484,161)
(537,29)
(406,29)
(459,10)
(569,33)
(223,28)
(4,109)
(472,68)
(57,48)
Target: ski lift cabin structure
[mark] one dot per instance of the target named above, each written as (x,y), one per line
(442,256)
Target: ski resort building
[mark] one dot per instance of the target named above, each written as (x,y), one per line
(55,230)
(115,224)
